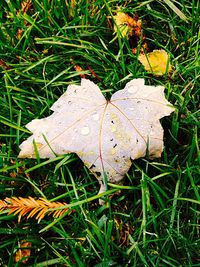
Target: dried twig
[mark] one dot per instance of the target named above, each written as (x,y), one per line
(96,76)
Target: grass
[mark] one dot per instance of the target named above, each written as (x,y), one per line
(154,220)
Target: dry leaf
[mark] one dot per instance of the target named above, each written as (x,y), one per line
(106,135)
(131,27)
(156,62)
(24,252)
(79,69)
(124,23)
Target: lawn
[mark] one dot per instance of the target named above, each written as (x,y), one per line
(153,219)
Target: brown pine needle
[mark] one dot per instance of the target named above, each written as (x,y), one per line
(31,207)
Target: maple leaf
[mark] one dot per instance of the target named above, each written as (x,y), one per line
(105,134)
(156,62)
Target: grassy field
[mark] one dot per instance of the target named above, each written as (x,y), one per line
(154,220)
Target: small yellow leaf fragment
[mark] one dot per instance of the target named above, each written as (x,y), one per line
(156,62)
(124,23)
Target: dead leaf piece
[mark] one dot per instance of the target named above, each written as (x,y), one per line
(125,23)
(24,252)
(131,27)
(156,62)
(79,69)
(106,135)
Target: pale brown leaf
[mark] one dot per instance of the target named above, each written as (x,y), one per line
(106,135)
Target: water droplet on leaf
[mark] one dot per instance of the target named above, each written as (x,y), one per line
(85,130)
(95,116)
(132,89)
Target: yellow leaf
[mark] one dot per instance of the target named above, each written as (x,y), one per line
(124,23)
(156,62)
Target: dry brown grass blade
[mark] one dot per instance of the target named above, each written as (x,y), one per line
(31,207)
(4,65)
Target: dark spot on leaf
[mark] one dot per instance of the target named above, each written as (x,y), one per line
(138,102)
(69,102)
(112,122)
(137,141)
(114,145)
(98,174)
